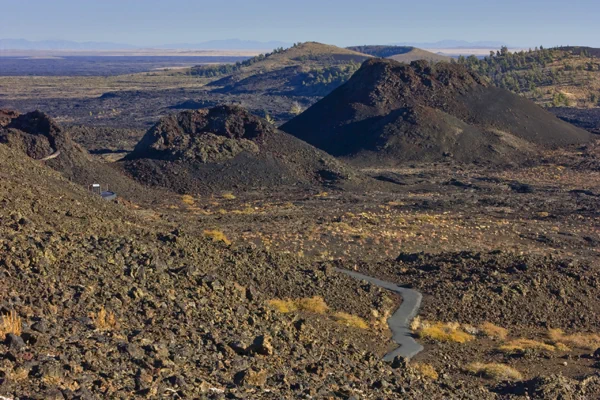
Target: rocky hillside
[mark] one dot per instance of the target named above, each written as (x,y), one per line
(226,147)
(41,138)
(307,69)
(102,301)
(389,113)
(107,303)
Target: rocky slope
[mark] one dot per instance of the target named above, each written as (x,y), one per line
(389,113)
(107,303)
(112,302)
(226,148)
(40,138)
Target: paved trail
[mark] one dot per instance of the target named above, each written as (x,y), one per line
(399,322)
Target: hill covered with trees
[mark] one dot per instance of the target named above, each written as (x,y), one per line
(561,76)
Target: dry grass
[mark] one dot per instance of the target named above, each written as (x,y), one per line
(11,323)
(426,370)
(522,345)
(104,321)
(245,211)
(188,199)
(350,320)
(283,306)
(314,305)
(494,371)
(493,331)
(217,236)
(19,374)
(588,341)
(440,331)
(379,321)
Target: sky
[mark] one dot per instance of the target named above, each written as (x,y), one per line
(339,22)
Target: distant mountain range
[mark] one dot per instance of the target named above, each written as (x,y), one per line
(453,44)
(228,44)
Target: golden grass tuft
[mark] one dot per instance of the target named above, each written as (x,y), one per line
(104,320)
(11,323)
(350,320)
(315,305)
(426,370)
(493,331)
(217,236)
(228,196)
(188,199)
(440,331)
(283,306)
(245,211)
(521,345)
(494,371)
(379,321)
(587,341)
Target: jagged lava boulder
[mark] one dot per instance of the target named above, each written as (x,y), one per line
(389,113)
(227,148)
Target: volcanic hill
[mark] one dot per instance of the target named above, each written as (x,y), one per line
(41,138)
(226,147)
(389,113)
(307,69)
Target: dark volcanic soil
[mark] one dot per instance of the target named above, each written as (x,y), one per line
(389,113)
(228,148)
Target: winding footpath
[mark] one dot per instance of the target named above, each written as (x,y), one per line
(50,157)
(399,322)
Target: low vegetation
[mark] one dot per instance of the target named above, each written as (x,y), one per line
(494,371)
(11,323)
(518,346)
(187,199)
(493,331)
(588,341)
(104,320)
(314,305)
(217,236)
(350,320)
(440,331)
(426,370)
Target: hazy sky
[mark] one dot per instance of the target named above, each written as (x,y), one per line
(341,22)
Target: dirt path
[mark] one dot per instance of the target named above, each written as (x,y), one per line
(399,322)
